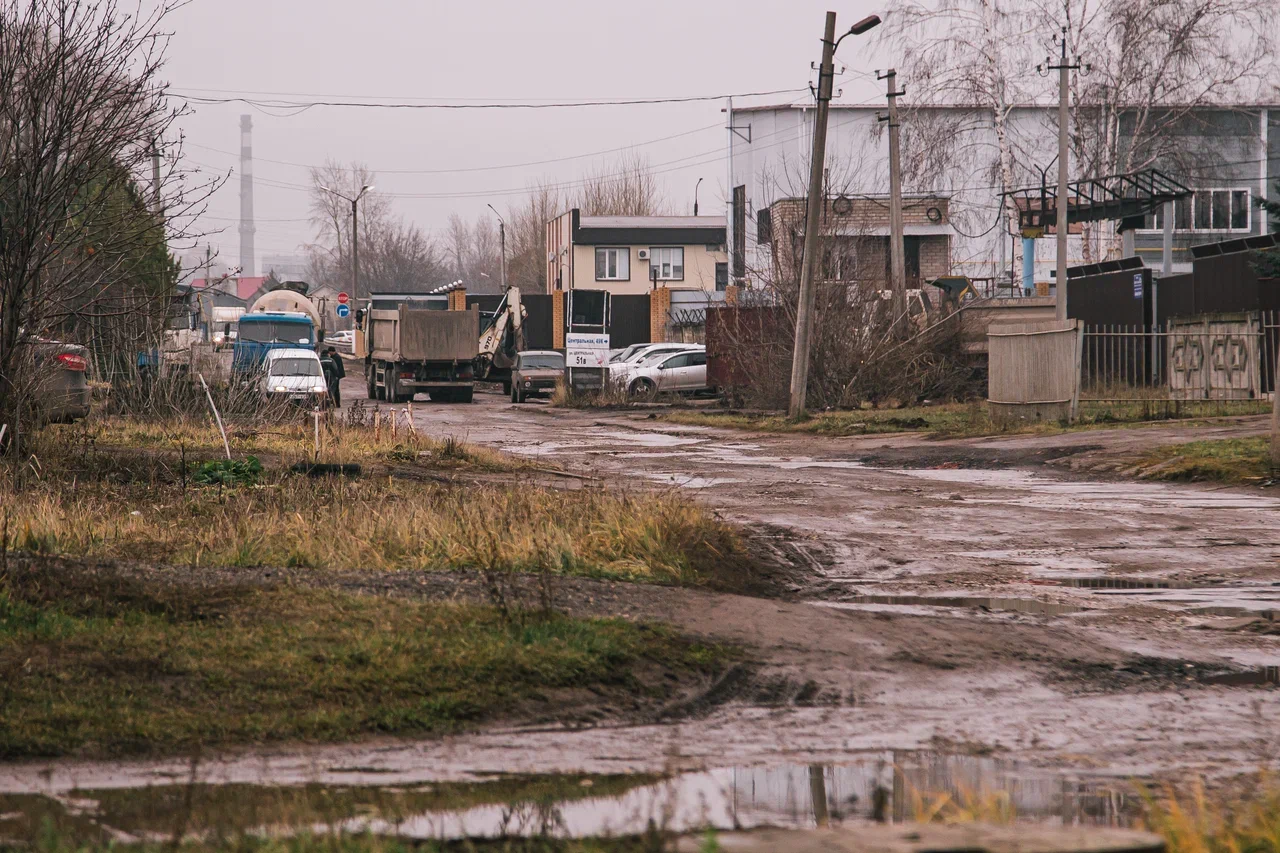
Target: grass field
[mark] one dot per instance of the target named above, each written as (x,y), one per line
(124,491)
(103,664)
(1228,460)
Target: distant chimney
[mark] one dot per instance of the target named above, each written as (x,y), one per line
(246,196)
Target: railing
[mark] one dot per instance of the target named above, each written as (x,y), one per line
(1212,364)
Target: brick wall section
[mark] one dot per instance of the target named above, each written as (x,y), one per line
(557,319)
(659,313)
(935,257)
(866,214)
(458,299)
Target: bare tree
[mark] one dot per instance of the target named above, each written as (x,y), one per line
(458,237)
(624,187)
(964,52)
(395,255)
(82,109)
(527,236)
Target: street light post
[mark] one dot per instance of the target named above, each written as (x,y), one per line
(355,238)
(502,244)
(810,259)
(695,196)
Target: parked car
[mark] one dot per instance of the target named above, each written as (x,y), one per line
(681,373)
(535,372)
(294,374)
(621,369)
(341,341)
(62,390)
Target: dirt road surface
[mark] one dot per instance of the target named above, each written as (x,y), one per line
(973,596)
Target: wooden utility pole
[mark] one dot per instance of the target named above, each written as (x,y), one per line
(897,249)
(804,308)
(156,206)
(1275,422)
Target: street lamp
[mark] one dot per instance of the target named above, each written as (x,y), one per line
(355,238)
(695,196)
(502,243)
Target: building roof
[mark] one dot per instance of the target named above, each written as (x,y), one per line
(879,106)
(652,222)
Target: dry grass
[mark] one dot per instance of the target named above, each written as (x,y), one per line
(85,495)
(1193,822)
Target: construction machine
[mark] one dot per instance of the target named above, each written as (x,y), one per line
(501,339)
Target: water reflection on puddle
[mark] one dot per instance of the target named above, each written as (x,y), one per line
(888,785)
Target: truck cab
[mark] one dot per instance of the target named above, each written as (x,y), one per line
(261,332)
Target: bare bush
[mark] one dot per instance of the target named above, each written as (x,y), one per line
(83,249)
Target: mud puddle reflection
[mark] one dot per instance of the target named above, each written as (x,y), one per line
(885,785)
(1018,605)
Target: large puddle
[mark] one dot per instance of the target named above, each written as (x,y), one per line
(892,786)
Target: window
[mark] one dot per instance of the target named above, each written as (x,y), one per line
(722,276)
(676,361)
(669,262)
(698,359)
(1206,210)
(275,331)
(295,367)
(541,361)
(613,264)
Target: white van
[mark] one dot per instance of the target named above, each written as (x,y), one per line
(294,374)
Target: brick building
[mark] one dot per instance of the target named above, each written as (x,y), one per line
(857,242)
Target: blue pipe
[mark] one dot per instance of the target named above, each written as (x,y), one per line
(1028,266)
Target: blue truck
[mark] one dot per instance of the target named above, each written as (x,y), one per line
(261,332)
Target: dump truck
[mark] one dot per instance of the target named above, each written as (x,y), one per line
(413,348)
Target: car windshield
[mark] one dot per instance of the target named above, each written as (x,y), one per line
(542,360)
(295,367)
(625,355)
(274,332)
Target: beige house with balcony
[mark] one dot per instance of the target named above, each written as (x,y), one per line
(634,254)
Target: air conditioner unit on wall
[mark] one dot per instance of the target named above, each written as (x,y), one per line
(643,254)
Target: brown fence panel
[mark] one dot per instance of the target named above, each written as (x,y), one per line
(1034,371)
(741,340)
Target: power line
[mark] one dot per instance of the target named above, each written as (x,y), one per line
(481,168)
(489,105)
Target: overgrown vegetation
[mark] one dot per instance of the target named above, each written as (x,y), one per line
(1225,460)
(948,420)
(1193,822)
(107,664)
(121,490)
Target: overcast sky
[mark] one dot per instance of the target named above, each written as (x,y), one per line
(424,49)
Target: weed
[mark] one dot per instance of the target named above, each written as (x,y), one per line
(228,472)
(1227,460)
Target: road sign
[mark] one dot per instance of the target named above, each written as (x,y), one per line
(343,299)
(343,309)
(586,350)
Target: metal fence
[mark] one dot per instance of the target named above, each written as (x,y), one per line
(1210,364)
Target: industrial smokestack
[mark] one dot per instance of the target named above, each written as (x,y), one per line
(246,196)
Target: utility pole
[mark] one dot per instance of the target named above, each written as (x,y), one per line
(897,249)
(695,196)
(208,272)
(502,244)
(1064,69)
(813,214)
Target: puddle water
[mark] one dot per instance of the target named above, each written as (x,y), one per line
(1243,600)
(1260,677)
(1019,605)
(690,481)
(885,785)
(1120,583)
(646,439)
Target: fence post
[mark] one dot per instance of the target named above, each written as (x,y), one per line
(1075,390)
(1275,419)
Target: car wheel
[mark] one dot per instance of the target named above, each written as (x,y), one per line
(644,389)
(463,395)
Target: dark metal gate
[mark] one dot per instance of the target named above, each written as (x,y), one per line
(629,320)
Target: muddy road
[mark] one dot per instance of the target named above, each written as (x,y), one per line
(968,598)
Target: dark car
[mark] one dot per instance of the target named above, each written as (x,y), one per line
(62,380)
(535,372)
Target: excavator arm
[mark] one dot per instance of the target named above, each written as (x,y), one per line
(503,339)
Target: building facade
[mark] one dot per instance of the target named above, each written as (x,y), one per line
(857,228)
(1229,156)
(634,254)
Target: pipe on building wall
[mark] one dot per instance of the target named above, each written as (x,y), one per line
(1028,266)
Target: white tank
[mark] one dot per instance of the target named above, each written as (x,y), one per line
(288,301)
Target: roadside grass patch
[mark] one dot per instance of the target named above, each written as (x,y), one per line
(945,420)
(109,502)
(102,664)
(1226,460)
